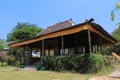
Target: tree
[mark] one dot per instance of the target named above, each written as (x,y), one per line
(23,31)
(116,32)
(2,44)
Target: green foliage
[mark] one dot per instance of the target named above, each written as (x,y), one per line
(96,62)
(3,57)
(17,63)
(10,60)
(6,58)
(117,49)
(23,31)
(106,50)
(16,55)
(117,7)
(116,35)
(112,15)
(2,44)
(82,63)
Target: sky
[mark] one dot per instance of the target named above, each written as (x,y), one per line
(45,13)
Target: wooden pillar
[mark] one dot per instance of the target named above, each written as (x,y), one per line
(42,50)
(98,49)
(57,51)
(31,52)
(48,52)
(58,47)
(101,49)
(83,49)
(76,43)
(17,56)
(89,41)
(28,55)
(101,46)
(62,44)
(95,48)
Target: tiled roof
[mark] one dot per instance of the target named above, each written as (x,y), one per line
(57,27)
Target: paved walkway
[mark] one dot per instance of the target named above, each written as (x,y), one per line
(104,78)
(115,74)
(29,68)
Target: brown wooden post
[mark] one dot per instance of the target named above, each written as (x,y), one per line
(83,49)
(101,46)
(95,48)
(101,49)
(89,41)
(42,47)
(28,55)
(62,43)
(48,52)
(17,54)
(76,43)
(31,52)
(42,50)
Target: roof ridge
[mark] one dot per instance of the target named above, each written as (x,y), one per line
(72,22)
(69,20)
(57,27)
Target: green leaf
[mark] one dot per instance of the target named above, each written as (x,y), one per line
(112,15)
(118,6)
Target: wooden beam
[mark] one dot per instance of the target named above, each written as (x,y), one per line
(101,34)
(61,33)
(51,35)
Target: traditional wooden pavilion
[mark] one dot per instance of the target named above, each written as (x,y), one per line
(69,38)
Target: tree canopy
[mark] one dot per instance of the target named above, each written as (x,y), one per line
(2,44)
(23,31)
(116,34)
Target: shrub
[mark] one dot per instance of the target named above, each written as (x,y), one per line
(82,63)
(17,63)
(3,57)
(10,60)
(96,62)
(107,61)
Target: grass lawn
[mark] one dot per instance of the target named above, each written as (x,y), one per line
(9,73)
